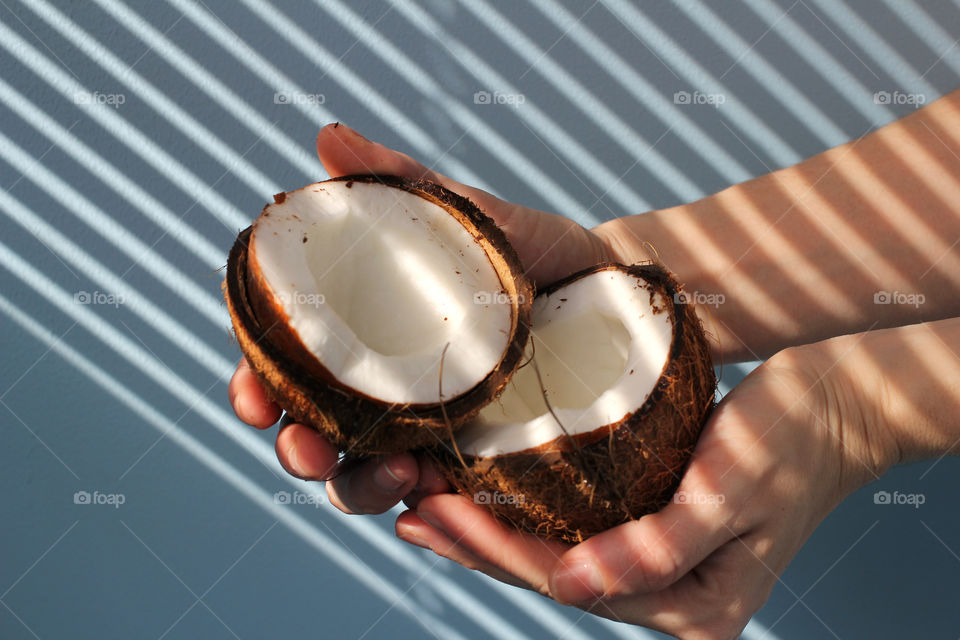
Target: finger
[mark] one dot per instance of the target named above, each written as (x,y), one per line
(474,528)
(373,485)
(651,553)
(431,480)
(249,399)
(549,246)
(304,453)
(413,529)
(343,151)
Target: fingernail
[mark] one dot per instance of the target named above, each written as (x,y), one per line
(294,460)
(431,520)
(386,479)
(579,582)
(358,134)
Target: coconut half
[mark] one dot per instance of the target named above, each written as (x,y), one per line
(597,427)
(382,311)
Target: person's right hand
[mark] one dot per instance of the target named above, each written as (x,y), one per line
(549,246)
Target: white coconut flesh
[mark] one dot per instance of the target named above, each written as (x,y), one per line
(600,348)
(376,282)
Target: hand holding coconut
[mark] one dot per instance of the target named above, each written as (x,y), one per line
(778,453)
(550,247)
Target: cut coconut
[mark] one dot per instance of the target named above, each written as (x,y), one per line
(597,428)
(351,297)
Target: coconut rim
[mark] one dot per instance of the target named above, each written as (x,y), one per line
(484,231)
(659,277)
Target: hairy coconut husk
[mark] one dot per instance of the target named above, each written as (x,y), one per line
(312,395)
(575,487)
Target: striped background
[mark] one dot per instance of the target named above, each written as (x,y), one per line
(137,138)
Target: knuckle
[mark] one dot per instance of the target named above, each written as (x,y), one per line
(662,566)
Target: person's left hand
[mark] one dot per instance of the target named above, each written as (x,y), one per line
(773,460)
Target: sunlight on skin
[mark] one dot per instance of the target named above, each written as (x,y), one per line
(801,432)
(703,240)
(915,371)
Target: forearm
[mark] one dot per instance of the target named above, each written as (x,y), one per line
(799,255)
(899,388)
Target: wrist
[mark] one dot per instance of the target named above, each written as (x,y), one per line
(854,395)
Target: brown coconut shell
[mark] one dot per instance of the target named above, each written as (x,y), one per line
(573,488)
(312,395)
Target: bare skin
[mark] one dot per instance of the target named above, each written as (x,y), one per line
(798,255)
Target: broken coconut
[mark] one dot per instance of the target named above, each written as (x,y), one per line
(597,428)
(350,297)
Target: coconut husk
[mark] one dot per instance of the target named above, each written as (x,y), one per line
(575,487)
(312,395)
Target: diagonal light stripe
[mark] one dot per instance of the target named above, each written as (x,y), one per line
(231,217)
(929,32)
(876,48)
(314,51)
(213,27)
(816,55)
(319,541)
(768,77)
(226,424)
(645,92)
(155,99)
(752,126)
(134,194)
(478,130)
(296,153)
(165,272)
(171,329)
(564,82)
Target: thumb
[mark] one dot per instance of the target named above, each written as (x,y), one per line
(343,152)
(550,246)
(646,555)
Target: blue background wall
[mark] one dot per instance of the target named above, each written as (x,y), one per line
(139,137)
